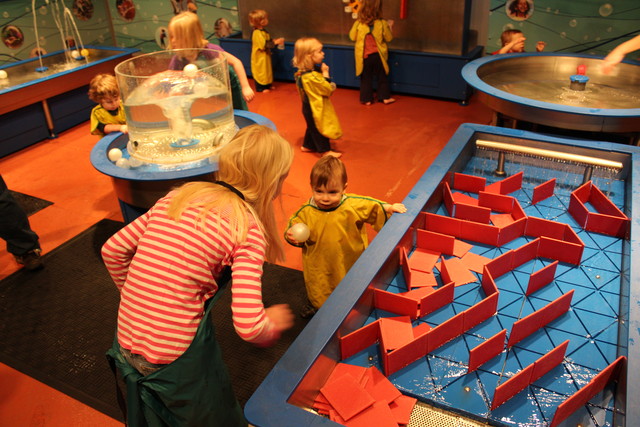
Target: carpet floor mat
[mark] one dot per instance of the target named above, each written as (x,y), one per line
(57,323)
(30,204)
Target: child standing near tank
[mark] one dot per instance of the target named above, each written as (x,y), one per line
(108,116)
(337,233)
(371,34)
(261,45)
(512,41)
(315,87)
(185,32)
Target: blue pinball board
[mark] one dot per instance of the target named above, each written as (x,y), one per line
(601,325)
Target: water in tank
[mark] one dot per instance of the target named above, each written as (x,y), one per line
(178,105)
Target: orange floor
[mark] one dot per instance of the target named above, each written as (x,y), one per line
(386,149)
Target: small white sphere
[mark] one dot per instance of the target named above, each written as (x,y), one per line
(75,53)
(123,163)
(300,232)
(114,154)
(3,74)
(190,70)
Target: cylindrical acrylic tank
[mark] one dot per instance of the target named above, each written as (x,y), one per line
(178,105)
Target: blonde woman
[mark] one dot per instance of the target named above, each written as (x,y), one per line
(169,265)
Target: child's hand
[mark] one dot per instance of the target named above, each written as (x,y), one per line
(289,236)
(281,316)
(325,69)
(279,41)
(297,234)
(540,46)
(390,22)
(124,129)
(248,94)
(398,207)
(517,45)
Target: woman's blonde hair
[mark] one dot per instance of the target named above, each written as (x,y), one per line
(302,51)
(187,28)
(255,162)
(103,86)
(256,17)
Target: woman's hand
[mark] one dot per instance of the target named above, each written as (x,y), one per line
(611,60)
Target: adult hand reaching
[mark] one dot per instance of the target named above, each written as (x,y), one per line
(618,54)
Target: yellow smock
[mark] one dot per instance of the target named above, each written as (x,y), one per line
(381,34)
(336,240)
(317,90)
(261,67)
(100,115)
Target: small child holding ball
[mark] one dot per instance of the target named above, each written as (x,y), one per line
(108,116)
(335,235)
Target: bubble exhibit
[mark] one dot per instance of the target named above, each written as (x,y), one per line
(176,115)
(179,112)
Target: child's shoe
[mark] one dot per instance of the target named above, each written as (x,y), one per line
(308,311)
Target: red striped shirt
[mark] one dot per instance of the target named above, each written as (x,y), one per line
(166,270)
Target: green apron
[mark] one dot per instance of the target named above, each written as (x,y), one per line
(237,98)
(193,390)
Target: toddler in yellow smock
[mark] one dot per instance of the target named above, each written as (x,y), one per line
(337,233)
(261,45)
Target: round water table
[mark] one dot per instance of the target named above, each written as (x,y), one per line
(536,88)
(139,188)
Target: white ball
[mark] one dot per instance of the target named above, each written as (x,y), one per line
(114,154)
(300,232)
(190,70)
(75,53)
(123,163)
(3,74)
